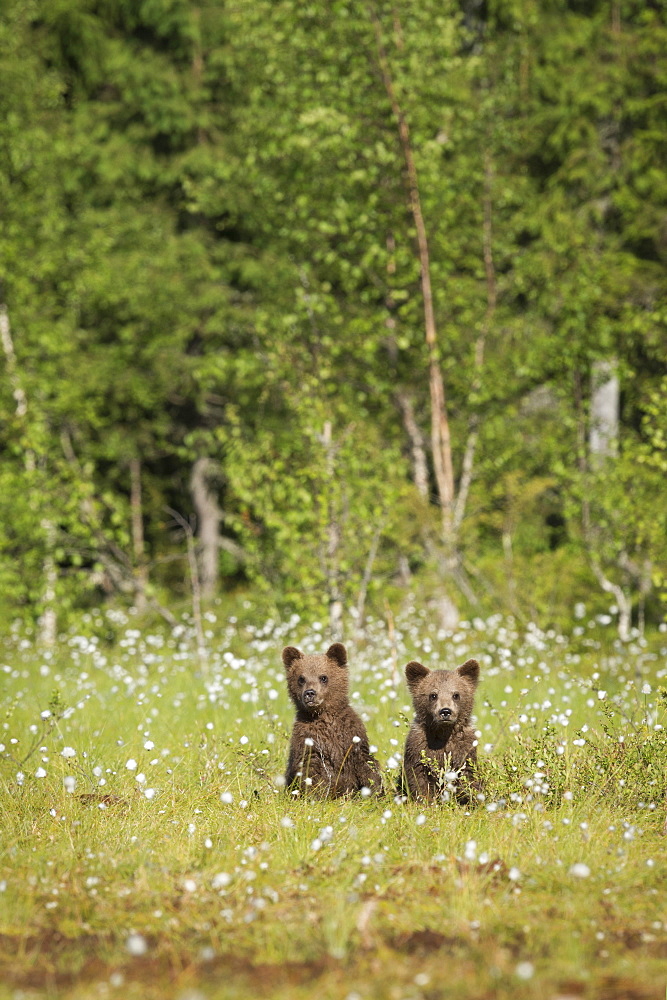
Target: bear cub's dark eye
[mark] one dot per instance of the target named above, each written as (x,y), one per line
(433,695)
(324,679)
(302,680)
(456,696)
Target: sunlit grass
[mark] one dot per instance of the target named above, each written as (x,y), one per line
(148,847)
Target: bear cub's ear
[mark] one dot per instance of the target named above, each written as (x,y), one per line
(338,653)
(415,671)
(290,654)
(469,670)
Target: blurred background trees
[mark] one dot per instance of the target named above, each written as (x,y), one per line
(221,224)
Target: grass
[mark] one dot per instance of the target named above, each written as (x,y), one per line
(149,851)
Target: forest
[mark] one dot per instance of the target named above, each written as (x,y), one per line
(332,303)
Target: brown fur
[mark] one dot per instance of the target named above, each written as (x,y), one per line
(441,738)
(334,764)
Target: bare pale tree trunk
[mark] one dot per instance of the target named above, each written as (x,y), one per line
(623,600)
(48,619)
(13,373)
(138,545)
(202,651)
(208,522)
(604,419)
(391,631)
(333,539)
(440,432)
(417,445)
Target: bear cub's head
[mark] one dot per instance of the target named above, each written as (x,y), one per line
(316,683)
(443,699)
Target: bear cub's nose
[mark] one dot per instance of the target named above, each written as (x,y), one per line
(445,713)
(309,695)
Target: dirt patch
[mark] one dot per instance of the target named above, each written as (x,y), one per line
(613,988)
(424,942)
(47,964)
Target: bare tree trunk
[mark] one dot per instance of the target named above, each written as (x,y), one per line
(440,433)
(48,620)
(391,630)
(12,371)
(333,539)
(417,445)
(202,651)
(623,600)
(367,577)
(616,16)
(208,522)
(603,431)
(137,515)
(480,345)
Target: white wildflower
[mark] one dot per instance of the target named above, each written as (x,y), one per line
(136,944)
(525,970)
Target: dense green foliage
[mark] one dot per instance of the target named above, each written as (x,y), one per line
(208,253)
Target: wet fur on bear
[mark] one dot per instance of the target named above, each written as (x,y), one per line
(334,764)
(441,737)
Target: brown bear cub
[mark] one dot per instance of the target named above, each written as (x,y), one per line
(329,753)
(441,739)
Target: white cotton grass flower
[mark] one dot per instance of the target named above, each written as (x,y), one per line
(221,880)
(514,874)
(227,798)
(149,745)
(470,852)
(286,822)
(131,764)
(189,885)
(136,945)
(420,820)
(580,870)
(70,783)
(40,773)
(525,970)
(150,793)
(68,752)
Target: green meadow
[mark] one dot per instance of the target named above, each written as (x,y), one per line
(149,850)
